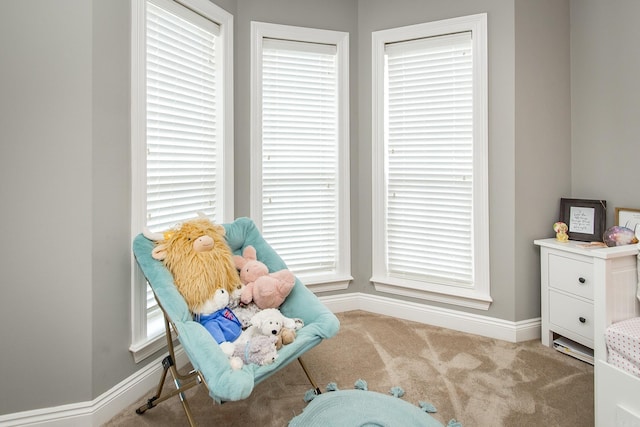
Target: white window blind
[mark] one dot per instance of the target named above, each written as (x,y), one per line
(300,153)
(183,115)
(429,159)
(181,131)
(182,122)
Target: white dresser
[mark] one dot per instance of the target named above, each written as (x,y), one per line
(567,286)
(583,291)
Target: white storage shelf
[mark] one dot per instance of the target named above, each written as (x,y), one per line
(583,291)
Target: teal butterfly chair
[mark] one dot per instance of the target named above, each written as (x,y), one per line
(210,365)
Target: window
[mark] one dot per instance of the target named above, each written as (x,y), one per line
(430,199)
(300,143)
(182,131)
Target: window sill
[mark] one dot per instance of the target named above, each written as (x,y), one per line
(143,349)
(439,293)
(327,284)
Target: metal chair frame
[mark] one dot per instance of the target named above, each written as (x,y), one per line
(184,382)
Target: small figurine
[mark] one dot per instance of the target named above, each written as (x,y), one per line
(561,231)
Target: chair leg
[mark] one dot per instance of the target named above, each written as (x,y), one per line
(158,397)
(183,398)
(166,362)
(311,380)
(181,382)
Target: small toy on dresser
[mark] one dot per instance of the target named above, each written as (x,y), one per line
(561,231)
(619,236)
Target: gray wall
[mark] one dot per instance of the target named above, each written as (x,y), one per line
(542,146)
(605,102)
(47,193)
(64,135)
(110,195)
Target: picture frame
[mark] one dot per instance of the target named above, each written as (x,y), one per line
(585,218)
(630,218)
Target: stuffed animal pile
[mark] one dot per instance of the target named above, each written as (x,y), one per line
(206,274)
(269,323)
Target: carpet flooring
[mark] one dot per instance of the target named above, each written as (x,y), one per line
(476,380)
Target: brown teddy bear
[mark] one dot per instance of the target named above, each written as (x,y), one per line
(285,336)
(197,255)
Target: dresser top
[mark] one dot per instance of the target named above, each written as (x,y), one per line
(579,248)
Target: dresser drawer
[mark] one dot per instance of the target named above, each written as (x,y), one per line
(572,314)
(571,275)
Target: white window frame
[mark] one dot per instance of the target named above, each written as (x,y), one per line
(479,295)
(259,30)
(142,345)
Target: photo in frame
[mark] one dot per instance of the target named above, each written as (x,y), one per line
(585,218)
(630,218)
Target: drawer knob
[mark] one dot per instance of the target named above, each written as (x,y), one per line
(582,319)
(582,280)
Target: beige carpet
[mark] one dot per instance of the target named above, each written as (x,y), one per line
(478,381)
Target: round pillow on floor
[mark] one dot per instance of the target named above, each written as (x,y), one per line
(351,408)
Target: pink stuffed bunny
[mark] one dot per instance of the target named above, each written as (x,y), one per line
(266,290)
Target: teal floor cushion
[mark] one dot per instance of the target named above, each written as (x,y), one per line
(359,408)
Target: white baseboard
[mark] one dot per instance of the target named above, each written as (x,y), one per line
(101,409)
(452,319)
(110,403)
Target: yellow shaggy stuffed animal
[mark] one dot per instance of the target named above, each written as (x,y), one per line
(197,255)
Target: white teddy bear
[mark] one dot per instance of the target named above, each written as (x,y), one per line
(268,322)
